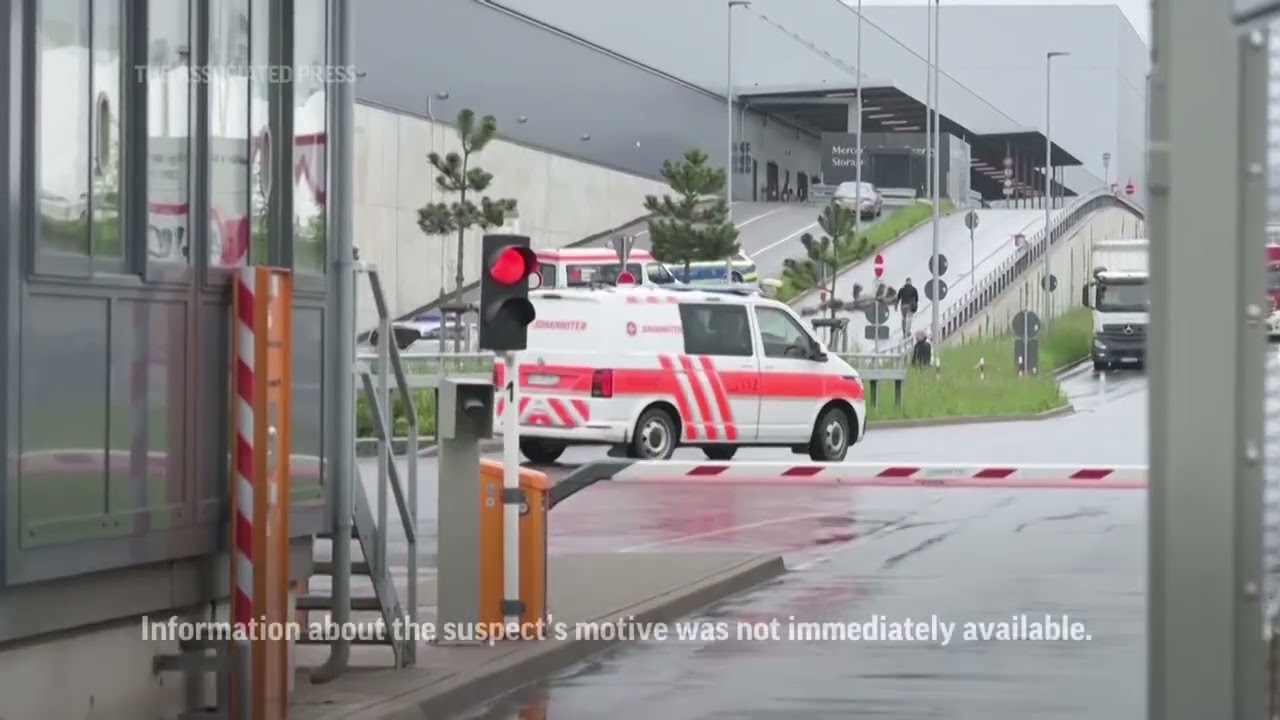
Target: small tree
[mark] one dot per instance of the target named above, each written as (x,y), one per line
(825,255)
(693,224)
(458,174)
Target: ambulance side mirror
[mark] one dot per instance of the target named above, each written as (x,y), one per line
(1084,294)
(816,353)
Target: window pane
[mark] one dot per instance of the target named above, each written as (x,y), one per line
(105,140)
(781,335)
(715,330)
(310,58)
(64,160)
(229,145)
(261,178)
(168,130)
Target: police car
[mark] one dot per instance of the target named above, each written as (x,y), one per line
(742,269)
(647,370)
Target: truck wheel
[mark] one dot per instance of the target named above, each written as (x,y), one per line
(655,437)
(720,452)
(1099,366)
(542,452)
(830,441)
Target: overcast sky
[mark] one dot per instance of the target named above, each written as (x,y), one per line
(1138,11)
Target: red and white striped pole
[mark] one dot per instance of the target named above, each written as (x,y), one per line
(261,347)
(242,476)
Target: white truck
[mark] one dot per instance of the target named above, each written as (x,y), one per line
(1120,295)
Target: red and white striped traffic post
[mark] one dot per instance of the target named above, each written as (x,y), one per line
(261,344)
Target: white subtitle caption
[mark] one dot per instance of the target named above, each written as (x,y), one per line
(932,629)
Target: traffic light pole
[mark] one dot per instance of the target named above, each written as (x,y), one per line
(511,495)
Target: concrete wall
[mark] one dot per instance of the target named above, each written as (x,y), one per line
(560,200)
(1070,263)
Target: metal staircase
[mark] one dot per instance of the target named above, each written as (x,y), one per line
(369,527)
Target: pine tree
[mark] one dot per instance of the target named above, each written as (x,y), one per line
(692,224)
(824,256)
(458,174)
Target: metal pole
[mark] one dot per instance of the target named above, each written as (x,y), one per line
(1048,180)
(1206,652)
(728,107)
(935,305)
(857,216)
(511,485)
(341,311)
(928,101)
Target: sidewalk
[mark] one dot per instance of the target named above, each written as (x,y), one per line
(650,587)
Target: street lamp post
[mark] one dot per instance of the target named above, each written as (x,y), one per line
(1048,179)
(728,106)
(444,249)
(857,216)
(935,304)
(1106,170)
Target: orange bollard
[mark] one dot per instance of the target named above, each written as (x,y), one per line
(533,545)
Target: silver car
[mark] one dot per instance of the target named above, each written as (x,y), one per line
(866,200)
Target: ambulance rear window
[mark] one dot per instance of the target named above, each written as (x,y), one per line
(715,329)
(583,275)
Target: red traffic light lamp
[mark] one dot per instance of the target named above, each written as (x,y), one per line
(512,264)
(510,269)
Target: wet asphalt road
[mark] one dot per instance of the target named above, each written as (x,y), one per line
(962,555)
(770,232)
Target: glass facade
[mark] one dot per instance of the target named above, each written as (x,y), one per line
(147,138)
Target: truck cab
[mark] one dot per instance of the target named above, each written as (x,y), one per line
(1119,293)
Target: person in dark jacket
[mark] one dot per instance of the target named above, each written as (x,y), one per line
(907,302)
(922,351)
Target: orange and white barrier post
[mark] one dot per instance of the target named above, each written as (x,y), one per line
(261,344)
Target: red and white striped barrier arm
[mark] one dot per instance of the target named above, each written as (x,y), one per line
(881,475)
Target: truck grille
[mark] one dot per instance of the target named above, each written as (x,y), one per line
(1121,332)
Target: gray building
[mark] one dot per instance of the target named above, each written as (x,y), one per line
(584,73)
(1099,90)
(555,91)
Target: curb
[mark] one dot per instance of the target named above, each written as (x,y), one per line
(804,295)
(971,420)
(368,447)
(527,665)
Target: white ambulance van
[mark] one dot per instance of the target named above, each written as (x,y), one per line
(588,267)
(648,369)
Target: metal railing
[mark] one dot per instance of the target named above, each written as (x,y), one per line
(371,526)
(986,291)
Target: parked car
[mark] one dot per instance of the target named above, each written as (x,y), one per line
(865,199)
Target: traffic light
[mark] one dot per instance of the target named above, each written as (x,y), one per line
(505,310)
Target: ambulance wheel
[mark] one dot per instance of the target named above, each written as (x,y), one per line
(542,452)
(720,452)
(655,436)
(830,441)
(736,277)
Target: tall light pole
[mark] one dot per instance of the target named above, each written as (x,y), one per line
(857,215)
(928,99)
(935,165)
(728,107)
(444,246)
(1048,179)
